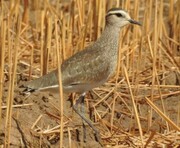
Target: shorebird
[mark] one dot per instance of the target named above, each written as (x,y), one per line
(90,67)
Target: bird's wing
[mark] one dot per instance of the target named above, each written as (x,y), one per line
(86,67)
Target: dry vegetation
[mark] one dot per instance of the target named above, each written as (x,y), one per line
(139,107)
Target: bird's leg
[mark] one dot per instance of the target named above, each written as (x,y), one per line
(75,107)
(81,101)
(83,112)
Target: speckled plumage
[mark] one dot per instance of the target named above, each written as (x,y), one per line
(92,66)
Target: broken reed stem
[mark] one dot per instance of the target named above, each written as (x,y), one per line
(31,63)
(154,59)
(160,35)
(178,115)
(2,55)
(42,41)
(113,111)
(157,110)
(134,105)
(11,90)
(47,45)
(37,120)
(17,106)
(59,61)
(63,37)
(69,137)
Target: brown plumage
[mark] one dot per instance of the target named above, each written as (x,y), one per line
(92,66)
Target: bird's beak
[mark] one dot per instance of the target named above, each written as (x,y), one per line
(135,22)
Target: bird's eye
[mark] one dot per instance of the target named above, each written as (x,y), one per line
(119,15)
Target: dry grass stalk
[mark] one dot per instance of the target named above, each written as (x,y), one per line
(62,29)
(134,107)
(2,55)
(11,87)
(162,114)
(17,106)
(61,98)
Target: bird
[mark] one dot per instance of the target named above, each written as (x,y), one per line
(90,67)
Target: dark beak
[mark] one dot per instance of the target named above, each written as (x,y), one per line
(135,22)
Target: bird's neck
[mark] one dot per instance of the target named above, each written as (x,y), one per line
(110,38)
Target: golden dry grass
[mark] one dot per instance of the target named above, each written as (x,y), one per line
(41,34)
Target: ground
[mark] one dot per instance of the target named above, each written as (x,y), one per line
(140,106)
(37,123)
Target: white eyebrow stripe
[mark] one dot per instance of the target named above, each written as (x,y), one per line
(117,11)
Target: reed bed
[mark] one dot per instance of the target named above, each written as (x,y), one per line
(37,36)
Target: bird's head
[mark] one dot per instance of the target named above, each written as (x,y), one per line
(118,18)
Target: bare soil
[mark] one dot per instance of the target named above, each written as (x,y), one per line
(25,133)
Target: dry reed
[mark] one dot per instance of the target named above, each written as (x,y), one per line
(40,35)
